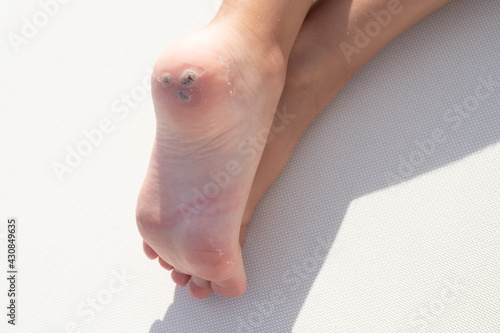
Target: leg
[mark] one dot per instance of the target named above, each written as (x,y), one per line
(214,93)
(319,68)
(274,22)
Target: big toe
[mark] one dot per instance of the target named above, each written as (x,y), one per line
(232,287)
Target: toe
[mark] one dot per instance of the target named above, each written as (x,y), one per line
(165,264)
(233,287)
(150,253)
(199,288)
(179,278)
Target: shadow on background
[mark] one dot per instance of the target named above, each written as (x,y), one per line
(413,109)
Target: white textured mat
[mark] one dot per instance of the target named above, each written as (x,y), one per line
(386,219)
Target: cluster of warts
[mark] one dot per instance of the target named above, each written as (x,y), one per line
(187,80)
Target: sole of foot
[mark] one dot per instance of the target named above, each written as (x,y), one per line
(215,93)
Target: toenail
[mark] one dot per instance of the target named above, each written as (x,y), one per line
(165,79)
(139,224)
(184,96)
(188,78)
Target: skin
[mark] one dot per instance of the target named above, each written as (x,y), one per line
(225,84)
(276,23)
(318,67)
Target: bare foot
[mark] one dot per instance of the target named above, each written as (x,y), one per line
(215,93)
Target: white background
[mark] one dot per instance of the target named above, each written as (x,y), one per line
(335,246)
